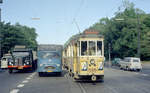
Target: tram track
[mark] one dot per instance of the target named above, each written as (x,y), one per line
(74,84)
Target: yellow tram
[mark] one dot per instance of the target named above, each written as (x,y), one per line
(83,56)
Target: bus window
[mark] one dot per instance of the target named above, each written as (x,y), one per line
(99,48)
(92,48)
(49,55)
(83,48)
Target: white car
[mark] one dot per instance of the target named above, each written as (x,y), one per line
(4,63)
(131,63)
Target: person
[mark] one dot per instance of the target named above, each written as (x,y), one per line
(99,53)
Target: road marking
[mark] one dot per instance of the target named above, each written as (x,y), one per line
(20,85)
(82,89)
(25,81)
(14,91)
(28,78)
(112,89)
(145,74)
(136,73)
(33,74)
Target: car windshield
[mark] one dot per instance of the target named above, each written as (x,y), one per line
(45,55)
(135,60)
(20,53)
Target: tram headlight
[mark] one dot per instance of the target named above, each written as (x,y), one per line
(100,65)
(92,61)
(84,66)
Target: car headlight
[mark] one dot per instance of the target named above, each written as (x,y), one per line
(84,66)
(27,63)
(58,65)
(100,65)
(41,65)
(11,63)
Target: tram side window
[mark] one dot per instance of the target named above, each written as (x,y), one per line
(83,48)
(92,48)
(99,48)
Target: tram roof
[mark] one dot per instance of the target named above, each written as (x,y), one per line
(85,34)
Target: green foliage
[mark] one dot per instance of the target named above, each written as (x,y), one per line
(12,35)
(123,34)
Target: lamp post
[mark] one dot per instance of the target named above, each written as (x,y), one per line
(1,1)
(139,39)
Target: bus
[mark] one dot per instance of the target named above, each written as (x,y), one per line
(22,58)
(49,59)
(83,56)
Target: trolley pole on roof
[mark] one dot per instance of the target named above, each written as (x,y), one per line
(77,26)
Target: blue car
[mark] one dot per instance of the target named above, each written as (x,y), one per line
(49,61)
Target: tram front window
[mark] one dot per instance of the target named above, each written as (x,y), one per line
(83,48)
(92,48)
(99,48)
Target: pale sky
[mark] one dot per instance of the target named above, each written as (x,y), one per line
(56,24)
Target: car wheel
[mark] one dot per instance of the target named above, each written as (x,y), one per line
(10,71)
(138,70)
(40,74)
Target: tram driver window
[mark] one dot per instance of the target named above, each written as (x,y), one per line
(99,48)
(92,48)
(83,48)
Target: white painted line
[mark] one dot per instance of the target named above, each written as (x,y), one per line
(20,85)
(14,91)
(136,73)
(145,74)
(25,81)
(83,90)
(28,78)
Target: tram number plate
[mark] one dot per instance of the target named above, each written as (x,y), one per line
(20,67)
(92,69)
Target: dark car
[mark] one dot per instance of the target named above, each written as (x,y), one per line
(116,61)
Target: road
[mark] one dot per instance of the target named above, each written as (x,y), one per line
(116,81)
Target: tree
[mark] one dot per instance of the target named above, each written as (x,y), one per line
(12,35)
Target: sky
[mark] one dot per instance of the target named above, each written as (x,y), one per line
(55,24)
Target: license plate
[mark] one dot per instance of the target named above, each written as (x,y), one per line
(20,67)
(49,71)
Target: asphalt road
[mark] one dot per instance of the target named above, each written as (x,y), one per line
(116,81)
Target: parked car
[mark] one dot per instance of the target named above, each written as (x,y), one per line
(4,61)
(116,62)
(131,63)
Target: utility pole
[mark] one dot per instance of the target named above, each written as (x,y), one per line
(1,1)
(139,34)
(109,55)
